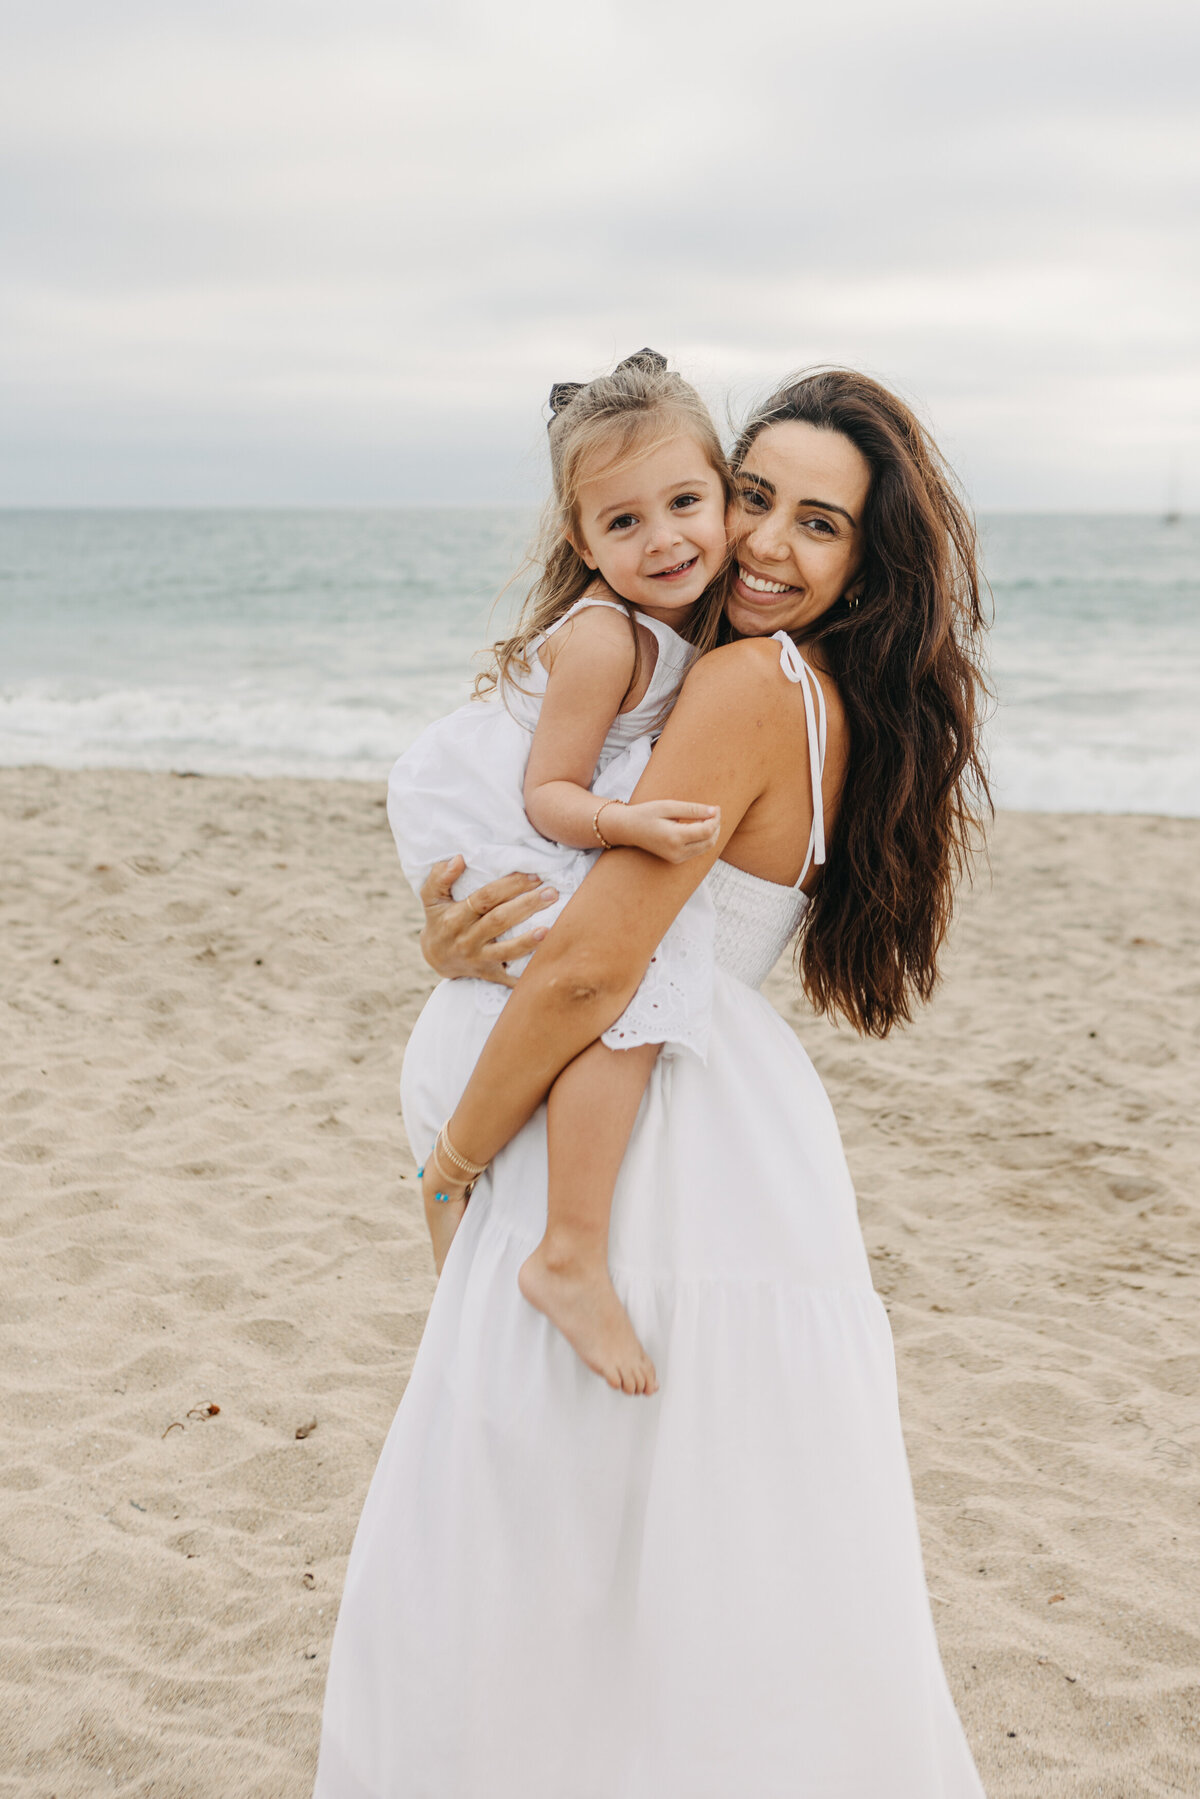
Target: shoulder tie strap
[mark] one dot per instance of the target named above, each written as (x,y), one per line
(800,674)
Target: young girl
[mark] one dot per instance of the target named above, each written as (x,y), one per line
(539,773)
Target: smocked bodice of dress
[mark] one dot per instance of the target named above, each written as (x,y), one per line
(756,920)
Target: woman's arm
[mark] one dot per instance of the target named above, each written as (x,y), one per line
(725,741)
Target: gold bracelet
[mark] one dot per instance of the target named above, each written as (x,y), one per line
(458,1164)
(603,840)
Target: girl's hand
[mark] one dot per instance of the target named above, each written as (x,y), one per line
(459,938)
(673,830)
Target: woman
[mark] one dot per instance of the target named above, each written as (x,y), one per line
(716,1593)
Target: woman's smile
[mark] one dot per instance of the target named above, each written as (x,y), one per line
(761,584)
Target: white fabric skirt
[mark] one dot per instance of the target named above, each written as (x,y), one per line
(560,1592)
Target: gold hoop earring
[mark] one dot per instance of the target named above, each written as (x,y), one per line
(852,600)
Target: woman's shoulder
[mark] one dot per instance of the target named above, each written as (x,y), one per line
(743,655)
(746,669)
(749,676)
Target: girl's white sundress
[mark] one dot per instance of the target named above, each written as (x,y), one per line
(459,791)
(559,1592)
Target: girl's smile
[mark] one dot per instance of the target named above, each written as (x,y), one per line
(680,568)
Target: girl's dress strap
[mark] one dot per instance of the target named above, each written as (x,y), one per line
(800,674)
(581,606)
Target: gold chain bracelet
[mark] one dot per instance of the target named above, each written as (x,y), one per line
(601,838)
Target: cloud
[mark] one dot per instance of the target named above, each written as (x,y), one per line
(280,253)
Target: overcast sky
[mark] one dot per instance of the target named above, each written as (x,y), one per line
(268,252)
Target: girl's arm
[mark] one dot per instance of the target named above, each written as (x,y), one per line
(593,660)
(725,739)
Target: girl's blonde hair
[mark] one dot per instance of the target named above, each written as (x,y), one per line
(598,428)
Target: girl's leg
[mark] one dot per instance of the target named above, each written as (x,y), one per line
(591,1113)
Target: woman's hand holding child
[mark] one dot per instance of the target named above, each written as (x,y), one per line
(464,939)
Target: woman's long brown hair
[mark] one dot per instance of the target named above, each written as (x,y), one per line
(907,660)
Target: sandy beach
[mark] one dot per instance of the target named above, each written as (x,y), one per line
(207,1201)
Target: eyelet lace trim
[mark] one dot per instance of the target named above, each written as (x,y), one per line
(673,1004)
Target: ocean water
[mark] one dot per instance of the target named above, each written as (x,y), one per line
(320,643)
(1095,661)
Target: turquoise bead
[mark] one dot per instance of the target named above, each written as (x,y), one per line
(443,1199)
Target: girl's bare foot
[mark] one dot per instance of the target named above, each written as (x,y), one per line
(579,1298)
(442,1216)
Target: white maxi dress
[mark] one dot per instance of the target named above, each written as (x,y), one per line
(560,1592)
